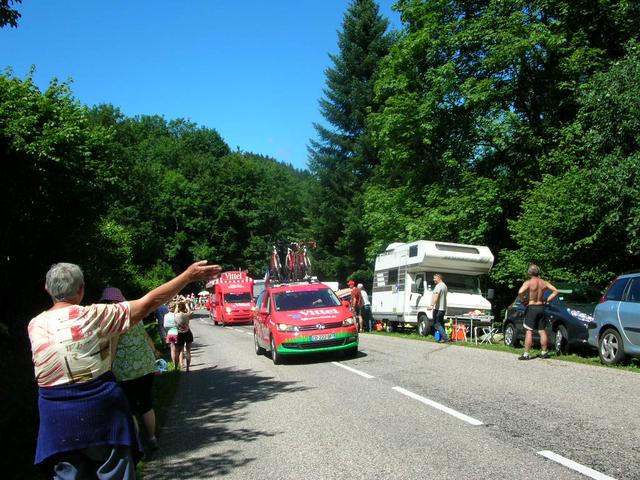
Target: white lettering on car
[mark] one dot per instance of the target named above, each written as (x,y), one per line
(315,313)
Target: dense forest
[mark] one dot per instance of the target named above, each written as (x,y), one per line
(508,123)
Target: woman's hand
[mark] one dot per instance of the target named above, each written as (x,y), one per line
(201,271)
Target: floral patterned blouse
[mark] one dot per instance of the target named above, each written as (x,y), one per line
(134,357)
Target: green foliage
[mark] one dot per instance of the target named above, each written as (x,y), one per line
(477,128)
(343,158)
(9,16)
(583,221)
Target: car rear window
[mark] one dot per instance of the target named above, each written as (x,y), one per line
(633,295)
(615,291)
(304,299)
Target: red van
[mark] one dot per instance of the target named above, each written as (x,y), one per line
(302,318)
(232,298)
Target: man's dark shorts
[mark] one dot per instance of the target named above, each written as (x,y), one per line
(534,318)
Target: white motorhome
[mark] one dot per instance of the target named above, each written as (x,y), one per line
(403,283)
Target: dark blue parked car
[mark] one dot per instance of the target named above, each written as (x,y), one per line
(568,316)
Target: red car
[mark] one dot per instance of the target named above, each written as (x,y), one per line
(301,318)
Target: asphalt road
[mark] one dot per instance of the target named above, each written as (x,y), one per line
(401,410)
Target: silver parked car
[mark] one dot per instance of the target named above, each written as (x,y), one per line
(615,329)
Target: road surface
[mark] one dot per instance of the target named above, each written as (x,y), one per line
(402,409)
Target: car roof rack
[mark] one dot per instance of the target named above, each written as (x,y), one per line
(305,281)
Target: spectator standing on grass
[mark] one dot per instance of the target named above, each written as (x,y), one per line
(534,317)
(366,308)
(439,306)
(134,366)
(86,426)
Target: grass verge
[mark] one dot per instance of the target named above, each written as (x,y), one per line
(586,357)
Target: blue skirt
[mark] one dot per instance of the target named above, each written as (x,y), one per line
(82,415)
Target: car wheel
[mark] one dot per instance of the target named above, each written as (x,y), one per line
(423,325)
(259,350)
(561,340)
(275,356)
(611,349)
(511,336)
(351,352)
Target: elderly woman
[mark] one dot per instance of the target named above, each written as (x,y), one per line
(86,427)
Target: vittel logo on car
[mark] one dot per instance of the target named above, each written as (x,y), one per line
(227,276)
(311,313)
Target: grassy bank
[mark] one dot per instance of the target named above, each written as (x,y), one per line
(587,357)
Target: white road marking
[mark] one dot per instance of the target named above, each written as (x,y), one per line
(353,370)
(249,333)
(439,406)
(589,472)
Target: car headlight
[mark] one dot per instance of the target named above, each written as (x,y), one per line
(228,309)
(583,317)
(348,322)
(283,327)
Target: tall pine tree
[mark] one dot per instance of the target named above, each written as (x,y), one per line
(342,157)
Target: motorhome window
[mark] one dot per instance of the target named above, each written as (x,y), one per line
(392,279)
(242,297)
(413,251)
(457,248)
(305,299)
(419,284)
(457,282)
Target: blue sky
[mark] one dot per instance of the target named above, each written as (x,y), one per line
(253,70)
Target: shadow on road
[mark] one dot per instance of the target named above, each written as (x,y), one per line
(209,403)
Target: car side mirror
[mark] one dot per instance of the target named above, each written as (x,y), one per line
(345,304)
(263,311)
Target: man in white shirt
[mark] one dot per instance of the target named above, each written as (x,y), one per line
(366,308)
(439,306)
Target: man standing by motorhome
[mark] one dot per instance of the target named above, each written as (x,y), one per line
(534,318)
(439,306)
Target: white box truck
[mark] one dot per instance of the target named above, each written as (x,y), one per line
(403,283)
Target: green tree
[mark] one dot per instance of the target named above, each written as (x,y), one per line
(474,99)
(8,15)
(342,158)
(583,221)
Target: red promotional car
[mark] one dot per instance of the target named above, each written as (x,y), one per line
(232,298)
(300,318)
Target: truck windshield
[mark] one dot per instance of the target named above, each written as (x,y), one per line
(457,282)
(304,299)
(241,297)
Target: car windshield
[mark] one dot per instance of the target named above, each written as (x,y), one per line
(578,297)
(241,297)
(304,299)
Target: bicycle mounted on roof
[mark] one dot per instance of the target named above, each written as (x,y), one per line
(297,264)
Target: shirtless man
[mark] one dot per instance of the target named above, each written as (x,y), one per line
(534,318)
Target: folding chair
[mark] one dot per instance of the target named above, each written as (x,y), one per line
(488,332)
